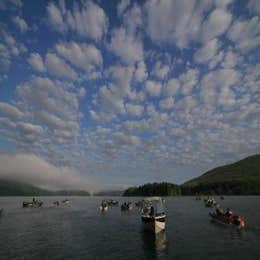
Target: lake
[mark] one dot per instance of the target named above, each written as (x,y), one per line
(81,231)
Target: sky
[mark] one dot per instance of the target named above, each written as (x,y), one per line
(107,94)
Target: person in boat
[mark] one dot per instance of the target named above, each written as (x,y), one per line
(152,211)
(229,213)
(34,200)
(219,211)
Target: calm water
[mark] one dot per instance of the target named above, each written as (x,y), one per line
(81,231)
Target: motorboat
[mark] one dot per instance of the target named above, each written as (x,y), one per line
(153,214)
(228,219)
(112,202)
(56,203)
(210,203)
(139,204)
(32,204)
(103,206)
(66,201)
(126,206)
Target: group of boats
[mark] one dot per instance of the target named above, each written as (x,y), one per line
(153,214)
(38,203)
(221,216)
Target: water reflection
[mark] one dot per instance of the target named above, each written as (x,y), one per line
(155,245)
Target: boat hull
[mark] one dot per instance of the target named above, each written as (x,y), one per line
(103,208)
(154,224)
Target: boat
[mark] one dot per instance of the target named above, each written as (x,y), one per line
(103,206)
(66,201)
(139,204)
(112,203)
(153,214)
(228,219)
(56,203)
(32,204)
(126,206)
(210,203)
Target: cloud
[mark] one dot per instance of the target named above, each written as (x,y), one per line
(50,104)
(20,24)
(29,128)
(12,4)
(123,139)
(134,110)
(88,20)
(223,3)
(176,22)
(32,169)
(10,49)
(254,6)
(181,22)
(155,83)
(217,24)
(111,100)
(171,88)
(122,6)
(10,111)
(215,87)
(55,18)
(83,56)
(188,80)
(207,51)
(245,34)
(58,67)
(160,70)
(153,88)
(140,72)
(36,62)
(166,103)
(82,92)
(231,60)
(126,46)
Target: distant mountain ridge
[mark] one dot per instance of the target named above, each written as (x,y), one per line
(14,188)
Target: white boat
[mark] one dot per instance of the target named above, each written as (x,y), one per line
(103,208)
(153,214)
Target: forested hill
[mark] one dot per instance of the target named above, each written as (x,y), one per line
(242,177)
(154,189)
(111,193)
(13,188)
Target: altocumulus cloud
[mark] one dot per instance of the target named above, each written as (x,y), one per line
(127,93)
